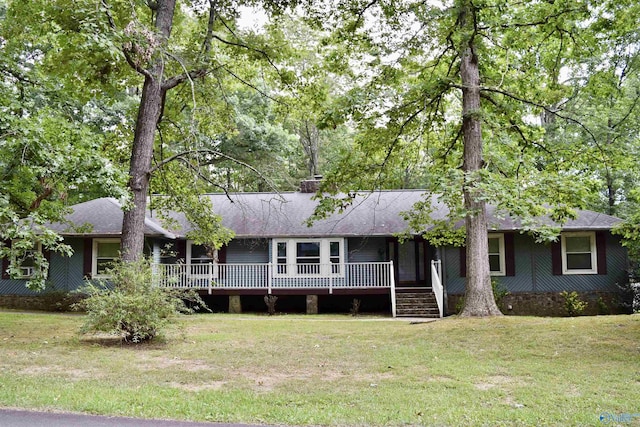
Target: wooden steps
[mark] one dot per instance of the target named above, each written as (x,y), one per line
(416,303)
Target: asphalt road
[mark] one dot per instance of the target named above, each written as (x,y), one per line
(20,418)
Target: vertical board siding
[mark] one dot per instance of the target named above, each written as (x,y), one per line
(59,269)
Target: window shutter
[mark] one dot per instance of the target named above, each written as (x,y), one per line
(601,251)
(463,261)
(509,254)
(87,261)
(556,258)
(5,262)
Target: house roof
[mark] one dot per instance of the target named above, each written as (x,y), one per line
(371,214)
(102,217)
(284,215)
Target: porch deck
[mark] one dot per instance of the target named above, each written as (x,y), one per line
(268,278)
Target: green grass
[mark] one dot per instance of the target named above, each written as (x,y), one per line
(332,370)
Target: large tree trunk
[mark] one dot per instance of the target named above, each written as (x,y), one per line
(310,140)
(132,244)
(479,299)
(149,114)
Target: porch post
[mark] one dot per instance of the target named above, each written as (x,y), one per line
(269,276)
(312,304)
(210,277)
(392,278)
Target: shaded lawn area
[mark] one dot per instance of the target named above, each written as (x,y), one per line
(332,370)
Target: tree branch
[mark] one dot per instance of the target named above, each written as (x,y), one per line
(206,45)
(183,156)
(125,52)
(174,81)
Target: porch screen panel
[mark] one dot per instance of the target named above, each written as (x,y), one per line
(308,257)
(282,257)
(334,257)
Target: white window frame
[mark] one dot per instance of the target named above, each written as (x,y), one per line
(94,256)
(189,253)
(594,252)
(325,257)
(195,270)
(31,270)
(501,254)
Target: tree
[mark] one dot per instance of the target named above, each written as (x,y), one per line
(166,63)
(462,82)
(51,146)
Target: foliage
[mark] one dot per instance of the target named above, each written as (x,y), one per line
(499,293)
(52,144)
(603,307)
(629,296)
(130,306)
(573,305)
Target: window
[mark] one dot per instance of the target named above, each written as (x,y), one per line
(496,255)
(105,253)
(200,255)
(199,258)
(334,257)
(281,257)
(579,253)
(308,257)
(27,263)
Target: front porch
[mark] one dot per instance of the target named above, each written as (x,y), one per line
(308,279)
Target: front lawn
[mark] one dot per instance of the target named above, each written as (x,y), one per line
(332,370)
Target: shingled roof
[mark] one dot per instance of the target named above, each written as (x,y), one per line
(284,215)
(102,217)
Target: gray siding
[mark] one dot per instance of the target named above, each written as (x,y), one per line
(65,273)
(366,249)
(533,270)
(248,251)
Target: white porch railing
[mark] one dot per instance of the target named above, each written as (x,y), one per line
(275,276)
(436,284)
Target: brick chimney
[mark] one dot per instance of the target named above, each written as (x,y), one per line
(311,185)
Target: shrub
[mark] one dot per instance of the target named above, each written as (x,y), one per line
(603,308)
(129,306)
(628,299)
(499,292)
(573,305)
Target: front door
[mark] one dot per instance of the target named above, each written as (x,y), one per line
(410,258)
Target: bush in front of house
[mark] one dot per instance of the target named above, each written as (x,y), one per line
(129,306)
(573,305)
